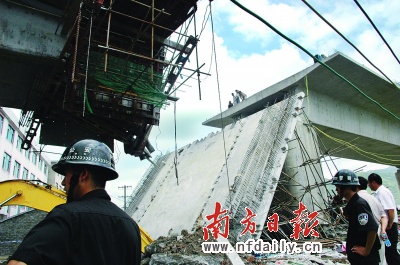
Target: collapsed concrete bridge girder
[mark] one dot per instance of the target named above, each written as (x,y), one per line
(258,148)
(337,109)
(273,160)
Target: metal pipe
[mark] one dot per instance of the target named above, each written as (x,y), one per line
(197,57)
(147,58)
(141,20)
(87,65)
(162,10)
(152,37)
(12,197)
(187,78)
(78,25)
(108,38)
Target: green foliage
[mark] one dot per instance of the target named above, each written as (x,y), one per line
(388,180)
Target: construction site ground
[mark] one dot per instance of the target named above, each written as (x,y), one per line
(186,249)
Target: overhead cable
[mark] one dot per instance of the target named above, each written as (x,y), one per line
(348,41)
(220,105)
(315,58)
(372,23)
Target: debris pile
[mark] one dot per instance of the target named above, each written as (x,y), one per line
(327,257)
(187,249)
(181,249)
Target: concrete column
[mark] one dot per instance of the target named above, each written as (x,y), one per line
(303,167)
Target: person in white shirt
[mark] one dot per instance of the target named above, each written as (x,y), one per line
(377,211)
(235,98)
(241,95)
(385,197)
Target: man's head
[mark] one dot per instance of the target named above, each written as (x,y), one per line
(374,181)
(86,165)
(346,183)
(363,183)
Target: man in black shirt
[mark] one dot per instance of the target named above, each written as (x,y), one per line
(89,228)
(362,244)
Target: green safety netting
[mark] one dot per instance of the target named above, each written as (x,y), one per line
(125,76)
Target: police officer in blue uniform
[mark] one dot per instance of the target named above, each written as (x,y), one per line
(362,244)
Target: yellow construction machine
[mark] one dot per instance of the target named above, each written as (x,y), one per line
(41,196)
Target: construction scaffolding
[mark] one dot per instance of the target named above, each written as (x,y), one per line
(119,67)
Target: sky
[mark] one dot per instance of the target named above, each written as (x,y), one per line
(240,52)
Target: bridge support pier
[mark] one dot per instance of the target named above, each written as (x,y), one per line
(303,171)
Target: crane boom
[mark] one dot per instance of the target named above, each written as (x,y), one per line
(41,196)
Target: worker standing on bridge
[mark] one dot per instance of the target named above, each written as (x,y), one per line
(235,99)
(89,228)
(362,244)
(241,95)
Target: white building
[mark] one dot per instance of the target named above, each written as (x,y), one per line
(17,163)
(54,178)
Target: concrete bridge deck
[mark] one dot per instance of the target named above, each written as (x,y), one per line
(337,109)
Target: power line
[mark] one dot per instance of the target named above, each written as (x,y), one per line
(349,42)
(376,29)
(315,58)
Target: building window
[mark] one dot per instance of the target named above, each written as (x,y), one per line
(21,209)
(1,124)
(16,169)
(40,163)
(32,176)
(19,143)
(28,153)
(34,158)
(10,134)
(25,173)
(6,162)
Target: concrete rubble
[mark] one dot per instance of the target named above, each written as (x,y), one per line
(186,249)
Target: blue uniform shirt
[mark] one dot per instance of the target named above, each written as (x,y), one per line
(361,220)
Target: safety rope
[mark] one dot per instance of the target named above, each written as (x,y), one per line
(220,104)
(176,147)
(380,158)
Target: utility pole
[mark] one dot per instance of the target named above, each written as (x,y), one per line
(124,187)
